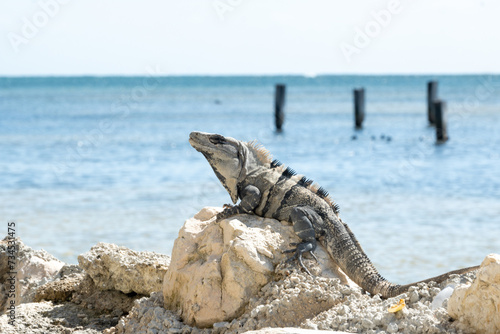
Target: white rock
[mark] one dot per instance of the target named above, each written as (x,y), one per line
(118,268)
(33,269)
(438,301)
(217,267)
(478,305)
(27,314)
(392,328)
(290,330)
(414,296)
(367,323)
(223,324)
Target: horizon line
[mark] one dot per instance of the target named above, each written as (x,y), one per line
(305,75)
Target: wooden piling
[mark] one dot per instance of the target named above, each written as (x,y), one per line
(279,106)
(431,97)
(440,118)
(359,107)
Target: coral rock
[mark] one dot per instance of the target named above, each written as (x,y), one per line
(478,305)
(59,290)
(118,268)
(218,266)
(33,269)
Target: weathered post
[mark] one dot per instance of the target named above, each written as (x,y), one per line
(279,106)
(431,97)
(439,109)
(359,107)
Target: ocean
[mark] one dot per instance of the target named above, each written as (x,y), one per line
(91,159)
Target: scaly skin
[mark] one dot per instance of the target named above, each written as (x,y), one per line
(267,189)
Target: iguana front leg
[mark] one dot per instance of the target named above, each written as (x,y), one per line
(303,219)
(250,199)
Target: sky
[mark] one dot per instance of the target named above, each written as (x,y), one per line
(248,37)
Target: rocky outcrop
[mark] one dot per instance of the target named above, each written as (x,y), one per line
(149,316)
(33,269)
(291,330)
(477,305)
(287,302)
(118,268)
(218,266)
(304,302)
(47,317)
(238,261)
(68,300)
(59,290)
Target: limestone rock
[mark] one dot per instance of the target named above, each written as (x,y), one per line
(293,300)
(478,305)
(149,316)
(217,267)
(119,268)
(289,330)
(46,317)
(59,290)
(111,302)
(33,269)
(62,288)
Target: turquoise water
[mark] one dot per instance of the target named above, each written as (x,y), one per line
(87,159)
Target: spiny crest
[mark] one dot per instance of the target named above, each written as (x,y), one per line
(304,181)
(288,172)
(263,155)
(322,192)
(336,208)
(276,163)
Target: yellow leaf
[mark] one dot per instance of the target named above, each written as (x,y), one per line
(397,307)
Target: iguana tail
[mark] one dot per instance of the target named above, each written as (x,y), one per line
(399,289)
(356,264)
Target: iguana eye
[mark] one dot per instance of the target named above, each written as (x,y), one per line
(217,139)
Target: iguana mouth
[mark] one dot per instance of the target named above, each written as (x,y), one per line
(196,141)
(222,155)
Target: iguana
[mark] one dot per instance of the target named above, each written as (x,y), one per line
(267,189)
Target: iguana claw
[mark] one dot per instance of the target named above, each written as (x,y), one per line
(303,247)
(229,210)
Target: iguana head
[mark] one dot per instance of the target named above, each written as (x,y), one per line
(228,157)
